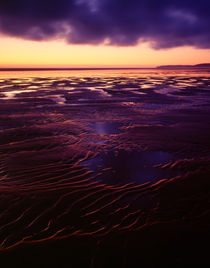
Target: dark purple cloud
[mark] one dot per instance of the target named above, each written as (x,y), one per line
(165,23)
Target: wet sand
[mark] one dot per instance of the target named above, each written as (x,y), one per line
(104,169)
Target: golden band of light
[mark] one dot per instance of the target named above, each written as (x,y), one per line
(16,52)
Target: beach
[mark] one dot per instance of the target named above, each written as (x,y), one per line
(104,168)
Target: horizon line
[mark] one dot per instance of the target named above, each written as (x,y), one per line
(71,69)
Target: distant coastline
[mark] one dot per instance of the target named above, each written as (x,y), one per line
(202,65)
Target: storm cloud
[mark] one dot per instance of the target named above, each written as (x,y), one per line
(163,23)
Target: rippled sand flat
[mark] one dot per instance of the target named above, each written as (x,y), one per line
(104,168)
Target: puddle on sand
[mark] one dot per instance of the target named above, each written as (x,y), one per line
(126,167)
(12,94)
(58,99)
(167,90)
(106,127)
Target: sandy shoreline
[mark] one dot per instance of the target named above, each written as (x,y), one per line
(105,171)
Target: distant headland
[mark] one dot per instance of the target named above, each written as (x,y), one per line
(202,65)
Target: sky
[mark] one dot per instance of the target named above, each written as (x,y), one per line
(103,33)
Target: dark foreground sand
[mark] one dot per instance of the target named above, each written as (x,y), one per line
(105,170)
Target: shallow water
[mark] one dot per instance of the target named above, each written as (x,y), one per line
(125,167)
(105,128)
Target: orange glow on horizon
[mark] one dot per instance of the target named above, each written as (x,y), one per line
(16,52)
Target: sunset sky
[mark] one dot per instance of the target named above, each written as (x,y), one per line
(103,33)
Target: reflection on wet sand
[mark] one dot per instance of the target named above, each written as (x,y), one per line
(125,167)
